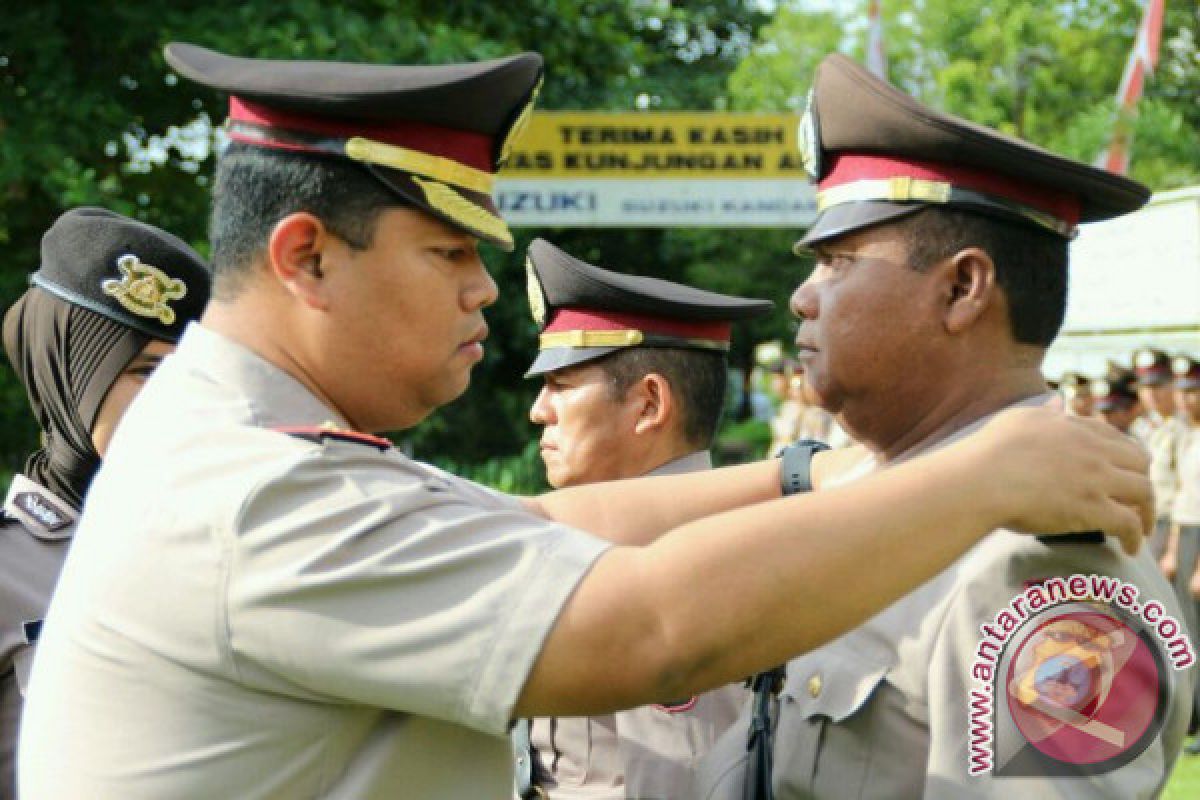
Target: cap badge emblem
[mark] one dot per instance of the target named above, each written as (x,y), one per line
(808,139)
(537,300)
(144,289)
(519,126)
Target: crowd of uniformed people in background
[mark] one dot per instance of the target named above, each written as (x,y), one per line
(1156,399)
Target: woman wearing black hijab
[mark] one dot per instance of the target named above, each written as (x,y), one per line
(110,300)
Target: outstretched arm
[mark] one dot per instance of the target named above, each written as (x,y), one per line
(728,593)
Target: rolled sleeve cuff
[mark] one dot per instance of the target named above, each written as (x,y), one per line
(524,629)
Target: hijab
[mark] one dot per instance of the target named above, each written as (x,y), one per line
(67,357)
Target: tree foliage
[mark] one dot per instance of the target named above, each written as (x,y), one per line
(1047,72)
(90,114)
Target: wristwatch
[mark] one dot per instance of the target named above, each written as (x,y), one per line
(795,469)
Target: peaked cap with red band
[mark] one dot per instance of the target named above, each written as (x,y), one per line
(434,135)
(585,312)
(1186,371)
(1152,366)
(1117,390)
(879,155)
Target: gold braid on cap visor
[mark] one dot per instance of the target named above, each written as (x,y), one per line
(903,189)
(624,338)
(439,192)
(440,169)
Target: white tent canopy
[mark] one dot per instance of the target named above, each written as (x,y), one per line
(1135,281)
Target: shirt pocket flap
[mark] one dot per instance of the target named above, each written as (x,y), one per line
(831,686)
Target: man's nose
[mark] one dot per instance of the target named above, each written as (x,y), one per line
(540,412)
(482,290)
(803,303)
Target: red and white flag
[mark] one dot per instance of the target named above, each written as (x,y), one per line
(876,58)
(1142,61)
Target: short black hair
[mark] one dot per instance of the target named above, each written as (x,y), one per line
(697,379)
(1031,265)
(257,187)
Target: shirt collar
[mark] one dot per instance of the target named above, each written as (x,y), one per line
(274,396)
(693,462)
(870,463)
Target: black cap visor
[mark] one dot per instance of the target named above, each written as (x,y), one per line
(556,358)
(850,217)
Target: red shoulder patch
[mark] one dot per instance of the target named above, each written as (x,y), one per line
(319,435)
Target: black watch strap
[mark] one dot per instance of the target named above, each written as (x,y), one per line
(795,469)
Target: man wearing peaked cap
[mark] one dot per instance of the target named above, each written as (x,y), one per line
(1152,367)
(1185,371)
(584,312)
(940,280)
(1077,391)
(109,301)
(1159,428)
(298,610)
(1117,397)
(878,155)
(434,136)
(634,380)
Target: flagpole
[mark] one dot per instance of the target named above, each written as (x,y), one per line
(876,56)
(1143,58)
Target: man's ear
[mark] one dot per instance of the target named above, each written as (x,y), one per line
(970,279)
(295,250)
(656,403)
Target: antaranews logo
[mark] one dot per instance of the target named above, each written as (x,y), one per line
(1072,678)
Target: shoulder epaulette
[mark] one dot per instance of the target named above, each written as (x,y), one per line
(319,435)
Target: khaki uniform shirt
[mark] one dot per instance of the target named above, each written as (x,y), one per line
(35,532)
(1186,510)
(645,753)
(1160,435)
(883,711)
(247,614)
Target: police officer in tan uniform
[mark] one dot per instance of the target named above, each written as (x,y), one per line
(1076,390)
(940,280)
(634,380)
(1116,398)
(272,605)
(1159,428)
(82,339)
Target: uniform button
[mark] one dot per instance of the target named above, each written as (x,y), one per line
(814,685)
